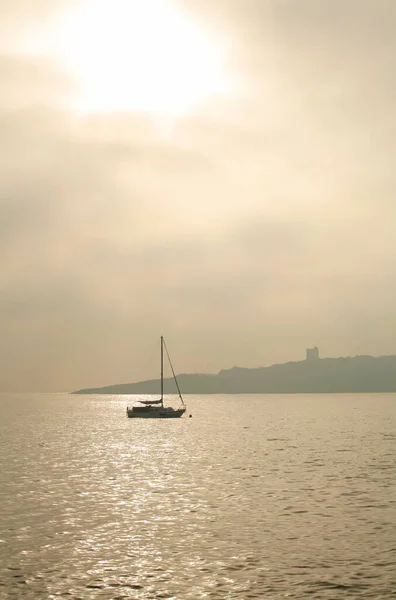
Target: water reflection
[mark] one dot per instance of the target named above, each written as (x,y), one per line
(224,505)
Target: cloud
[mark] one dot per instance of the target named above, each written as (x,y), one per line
(259,225)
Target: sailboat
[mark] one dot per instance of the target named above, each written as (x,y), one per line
(155,409)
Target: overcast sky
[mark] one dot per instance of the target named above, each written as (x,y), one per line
(244,207)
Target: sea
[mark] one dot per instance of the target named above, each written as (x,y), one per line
(252,497)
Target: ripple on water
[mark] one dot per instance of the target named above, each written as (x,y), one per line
(224,506)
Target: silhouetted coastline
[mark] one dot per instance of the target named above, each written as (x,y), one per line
(357,374)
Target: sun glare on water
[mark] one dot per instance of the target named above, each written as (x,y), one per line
(140,55)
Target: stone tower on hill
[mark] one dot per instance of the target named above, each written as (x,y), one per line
(312,354)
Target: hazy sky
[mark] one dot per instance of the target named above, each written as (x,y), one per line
(221,173)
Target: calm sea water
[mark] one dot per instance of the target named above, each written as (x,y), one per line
(262,497)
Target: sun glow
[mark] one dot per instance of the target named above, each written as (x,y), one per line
(139,55)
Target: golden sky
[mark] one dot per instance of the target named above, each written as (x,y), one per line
(221,173)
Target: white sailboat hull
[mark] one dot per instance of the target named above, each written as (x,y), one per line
(151,412)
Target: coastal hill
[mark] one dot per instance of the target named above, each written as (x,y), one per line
(357,374)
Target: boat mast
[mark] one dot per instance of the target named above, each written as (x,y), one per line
(162,370)
(174,375)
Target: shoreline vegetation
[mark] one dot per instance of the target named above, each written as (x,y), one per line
(358,374)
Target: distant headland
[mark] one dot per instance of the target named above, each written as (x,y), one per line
(358,374)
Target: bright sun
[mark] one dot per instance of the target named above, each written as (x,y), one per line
(138,55)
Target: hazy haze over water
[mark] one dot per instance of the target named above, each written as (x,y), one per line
(228,181)
(253,497)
